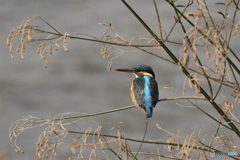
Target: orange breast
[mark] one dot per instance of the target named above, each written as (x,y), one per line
(132,91)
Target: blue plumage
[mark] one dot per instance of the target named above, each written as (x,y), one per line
(144,88)
(148,100)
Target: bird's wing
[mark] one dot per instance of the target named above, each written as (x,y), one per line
(154,92)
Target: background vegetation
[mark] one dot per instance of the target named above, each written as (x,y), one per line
(206,59)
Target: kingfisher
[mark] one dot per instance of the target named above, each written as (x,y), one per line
(144,88)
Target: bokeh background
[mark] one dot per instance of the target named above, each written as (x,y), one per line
(78,81)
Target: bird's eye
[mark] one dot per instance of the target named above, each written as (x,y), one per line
(134,70)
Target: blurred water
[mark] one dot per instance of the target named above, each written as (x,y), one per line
(78,81)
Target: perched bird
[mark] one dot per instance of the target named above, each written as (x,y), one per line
(144,88)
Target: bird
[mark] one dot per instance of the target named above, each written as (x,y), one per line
(144,88)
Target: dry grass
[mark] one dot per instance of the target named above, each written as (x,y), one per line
(90,143)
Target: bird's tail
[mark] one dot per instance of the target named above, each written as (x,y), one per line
(149,112)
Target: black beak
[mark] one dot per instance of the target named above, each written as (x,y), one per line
(124,70)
